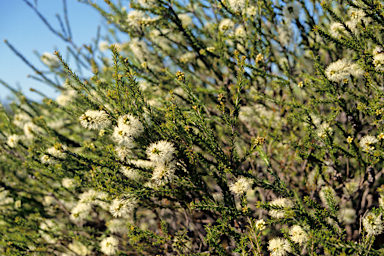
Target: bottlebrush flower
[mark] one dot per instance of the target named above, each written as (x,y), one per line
(95,120)
(161,151)
(279,247)
(109,245)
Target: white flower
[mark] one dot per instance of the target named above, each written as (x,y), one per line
(260,225)
(30,128)
(88,197)
(146,3)
(341,69)
(94,120)
(80,212)
(358,15)
(378,61)
(336,29)
(66,97)
(79,248)
(139,49)
(109,245)
(298,234)
(45,159)
(240,32)
(122,136)
(187,57)
(93,197)
(20,119)
(164,173)
(237,5)
(279,246)
(130,173)
(241,186)
(348,215)
(161,151)
(142,163)
(324,130)
(135,18)
(282,203)
(378,50)
(381,201)
(186,20)
(373,224)
(57,151)
(367,143)
(69,183)
(251,11)
(122,206)
(13,140)
(131,125)
(226,25)
(285,33)
(46,229)
(103,46)
(292,10)
(117,226)
(50,60)
(123,151)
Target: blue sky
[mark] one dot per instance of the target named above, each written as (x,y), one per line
(27,33)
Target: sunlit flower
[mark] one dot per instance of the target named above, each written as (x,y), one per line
(50,60)
(20,119)
(95,120)
(279,247)
(80,212)
(30,129)
(324,130)
(298,234)
(164,173)
(124,151)
(103,46)
(186,20)
(367,143)
(13,140)
(123,206)
(130,173)
(45,159)
(292,10)
(69,183)
(240,32)
(237,5)
(373,224)
(66,97)
(341,69)
(251,11)
(260,225)
(79,248)
(131,125)
(135,17)
(336,29)
(241,186)
(226,25)
(109,245)
(161,151)
(283,203)
(117,226)
(57,151)
(378,61)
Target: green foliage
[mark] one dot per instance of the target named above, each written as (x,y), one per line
(217,128)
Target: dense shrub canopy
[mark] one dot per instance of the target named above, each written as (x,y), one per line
(233,127)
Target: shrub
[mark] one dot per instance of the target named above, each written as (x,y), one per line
(218,128)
